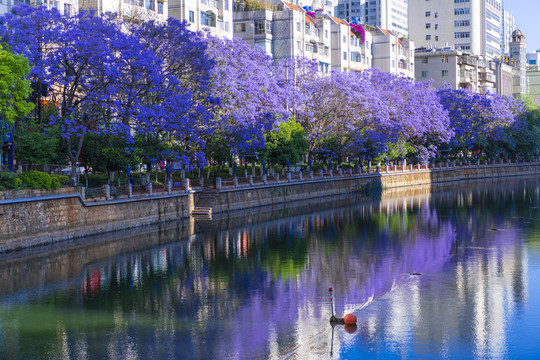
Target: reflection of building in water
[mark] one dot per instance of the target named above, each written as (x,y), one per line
(475,304)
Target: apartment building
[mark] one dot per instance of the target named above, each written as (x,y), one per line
(469,25)
(215,16)
(287,31)
(130,10)
(254,25)
(350,52)
(462,70)
(298,34)
(65,7)
(386,14)
(392,53)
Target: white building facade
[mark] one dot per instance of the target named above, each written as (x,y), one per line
(216,16)
(469,25)
(386,14)
(392,53)
(65,7)
(462,70)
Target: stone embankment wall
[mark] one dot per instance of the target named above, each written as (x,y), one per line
(241,198)
(35,221)
(43,220)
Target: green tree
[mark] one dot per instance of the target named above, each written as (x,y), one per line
(288,143)
(14,88)
(526,134)
(107,153)
(38,144)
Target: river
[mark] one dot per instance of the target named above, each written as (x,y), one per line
(451,272)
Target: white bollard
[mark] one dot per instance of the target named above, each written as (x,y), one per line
(187,185)
(107,191)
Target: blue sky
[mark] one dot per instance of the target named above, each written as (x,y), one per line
(527,14)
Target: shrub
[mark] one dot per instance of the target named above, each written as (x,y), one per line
(62,179)
(8,180)
(39,180)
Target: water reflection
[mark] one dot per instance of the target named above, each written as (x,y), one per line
(261,291)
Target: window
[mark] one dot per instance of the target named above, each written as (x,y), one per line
(307,30)
(436,15)
(299,45)
(326,34)
(67,9)
(160,7)
(150,5)
(436,38)
(436,26)
(192,18)
(393,64)
(461,1)
(226,4)
(428,13)
(344,38)
(239,27)
(445,59)
(459,23)
(207,19)
(298,26)
(226,26)
(428,25)
(462,35)
(424,60)
(344,55)
(428,37)
(425,74)
(444,73)
(462,11)
(263,26)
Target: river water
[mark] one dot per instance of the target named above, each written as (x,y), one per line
(451,272)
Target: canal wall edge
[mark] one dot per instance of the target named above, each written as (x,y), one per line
(37,221)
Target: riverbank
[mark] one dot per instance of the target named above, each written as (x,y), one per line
(40,220)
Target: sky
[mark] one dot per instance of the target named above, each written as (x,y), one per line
(527,15)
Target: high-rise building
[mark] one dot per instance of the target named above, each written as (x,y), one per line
(469,25)
(507,27)
(387,14)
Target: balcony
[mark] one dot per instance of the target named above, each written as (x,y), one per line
(467,60)
(485,77)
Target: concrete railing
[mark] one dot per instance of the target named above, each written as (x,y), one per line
(188,186)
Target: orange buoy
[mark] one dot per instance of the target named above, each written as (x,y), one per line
(350,319)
